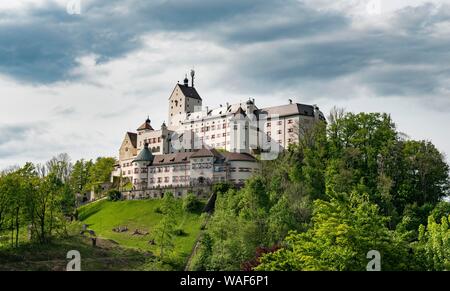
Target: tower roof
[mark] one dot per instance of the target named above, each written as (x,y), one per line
(146,125)
(145,155)
(190,92)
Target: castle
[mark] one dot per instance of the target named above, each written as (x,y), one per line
(200,146)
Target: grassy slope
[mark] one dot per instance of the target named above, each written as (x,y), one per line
(114,251)
(104,215)
(107,256)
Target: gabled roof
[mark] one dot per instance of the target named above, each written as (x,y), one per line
(145,155)
(172,158)
(145,126)
(190,92)
(240,111)
(289,109)
(133,138)
(239,157)
(205,152)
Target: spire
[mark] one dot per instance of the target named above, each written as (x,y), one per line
(192,77)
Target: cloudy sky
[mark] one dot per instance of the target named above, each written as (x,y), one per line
(76,83)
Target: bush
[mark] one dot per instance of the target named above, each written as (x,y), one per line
(179,232)
(191,203)
(114,195)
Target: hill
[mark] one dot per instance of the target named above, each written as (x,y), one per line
(142,215)
(107,256)
(114,251)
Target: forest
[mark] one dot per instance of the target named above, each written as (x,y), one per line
(350,186)
(38,201)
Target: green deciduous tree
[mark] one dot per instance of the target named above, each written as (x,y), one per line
(344,230)
(165,229)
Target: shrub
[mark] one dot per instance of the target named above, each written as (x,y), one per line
(114,195)
(179,232)
(191,203)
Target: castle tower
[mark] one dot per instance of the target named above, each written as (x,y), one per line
(183,100)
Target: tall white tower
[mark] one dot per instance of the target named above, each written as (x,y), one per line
(183,100)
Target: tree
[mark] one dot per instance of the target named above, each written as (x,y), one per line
(343,231)
(425,174)
(81,175)
(60,166)
(433,246)
(165,228)
(191,203)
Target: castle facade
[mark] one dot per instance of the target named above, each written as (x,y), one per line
(200,146)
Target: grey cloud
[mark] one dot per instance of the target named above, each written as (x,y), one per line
(15,138)
(273,44)
(44,47)
(10,133)
(404,61)
(63,111)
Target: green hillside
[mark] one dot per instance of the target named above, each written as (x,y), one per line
(104,216)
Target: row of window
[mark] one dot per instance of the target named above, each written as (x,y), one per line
(169,168)
(175,179)
(280,122)
(186,167)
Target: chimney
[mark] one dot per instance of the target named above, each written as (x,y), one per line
(290,101)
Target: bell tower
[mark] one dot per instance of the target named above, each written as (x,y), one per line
(183,100)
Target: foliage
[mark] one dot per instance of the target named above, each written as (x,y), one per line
(114,195)
(191,203)
(166,227)
(349,186)
(343,231)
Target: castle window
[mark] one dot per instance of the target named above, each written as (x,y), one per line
(280,122)
(290,121)
(290,130)
(166,179)
(268,124)
(213,136)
